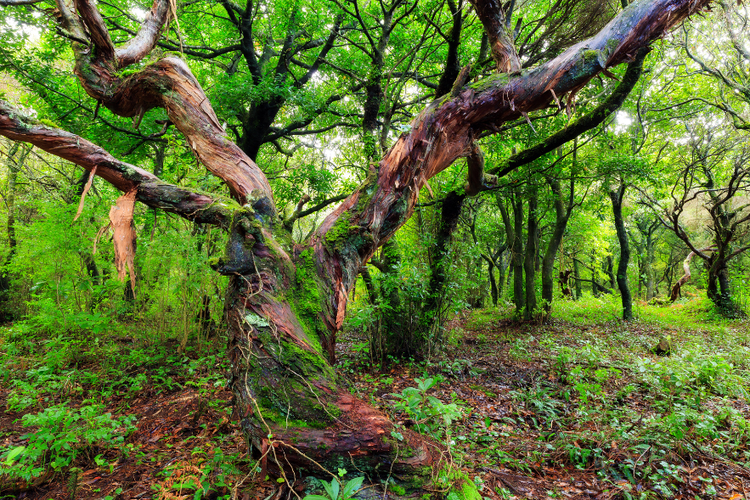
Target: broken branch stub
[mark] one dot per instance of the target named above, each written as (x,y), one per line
(121,217)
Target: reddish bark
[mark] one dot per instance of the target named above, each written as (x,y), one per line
(496,23)
(285,303)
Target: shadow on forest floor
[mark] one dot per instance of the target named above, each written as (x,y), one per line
(579,408)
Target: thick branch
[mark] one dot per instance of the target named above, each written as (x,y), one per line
(583,124)
(98,33)
(125,177)
(497,27)
(686,276)
(444,130)
(170,84)
(142,44)
(300,213)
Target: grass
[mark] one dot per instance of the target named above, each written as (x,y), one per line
(582,400)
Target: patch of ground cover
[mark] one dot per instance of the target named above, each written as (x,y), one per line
(585,408)
(578,408)
(117,417)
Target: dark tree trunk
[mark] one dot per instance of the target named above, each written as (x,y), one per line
(517,253)
(449,214)
(622,267)
(650,279)
(493,283)
(501,269)
(529,264)
(608,268)
(452,62)
(562,214)
(577,279)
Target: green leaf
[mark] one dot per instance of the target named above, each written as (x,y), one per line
(351,487)
(15,452)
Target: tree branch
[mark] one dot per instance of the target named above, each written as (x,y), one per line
(445,129)
(583,124)
(151,190)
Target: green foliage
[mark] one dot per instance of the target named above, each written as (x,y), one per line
(62,434)
(431,416)
(337,490)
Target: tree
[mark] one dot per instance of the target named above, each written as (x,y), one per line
(714,175)
(286,302)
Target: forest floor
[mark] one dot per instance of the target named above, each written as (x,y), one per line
(581,407)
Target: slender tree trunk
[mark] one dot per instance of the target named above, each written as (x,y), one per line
(577,275)
(501,270)
(622,266)
(529,264)
(493,283)
(650,279)
(13,165)
(607,267)
(517,254)
(548,264)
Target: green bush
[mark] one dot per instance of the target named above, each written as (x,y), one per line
(62,435)
(431,415)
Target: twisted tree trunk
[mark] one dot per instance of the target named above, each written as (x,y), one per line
(286,302)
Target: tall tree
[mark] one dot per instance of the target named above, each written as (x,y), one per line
(286,302)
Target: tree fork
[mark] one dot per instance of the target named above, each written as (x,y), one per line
(286,302)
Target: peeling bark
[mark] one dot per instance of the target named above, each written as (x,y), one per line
(121,218)
(286,302)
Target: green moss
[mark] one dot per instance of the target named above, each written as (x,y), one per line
(49,123)
(496,80)
(306,300)
(461,485)
(591,56)
(333,410)
(129,71)
(398,490)
(611,46)
(336,236)
(273,416)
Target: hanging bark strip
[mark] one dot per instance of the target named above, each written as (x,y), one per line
(86,188)
(121,217)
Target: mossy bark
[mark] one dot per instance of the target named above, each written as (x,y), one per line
(285,304)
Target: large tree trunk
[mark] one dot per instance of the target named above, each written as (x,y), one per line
(286,302)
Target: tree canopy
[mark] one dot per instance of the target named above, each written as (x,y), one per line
(401,145)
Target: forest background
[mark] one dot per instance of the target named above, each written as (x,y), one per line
(625,199)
